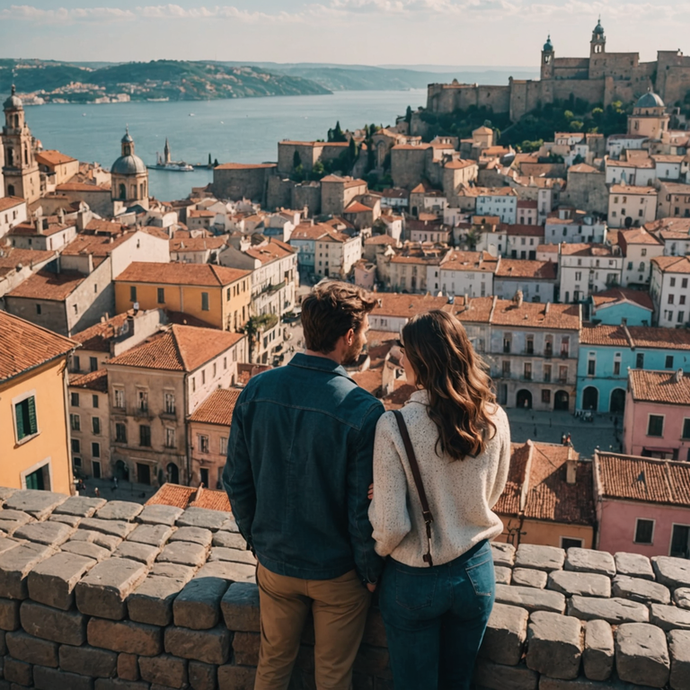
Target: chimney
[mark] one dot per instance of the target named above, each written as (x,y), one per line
(570,469)
(678,376)
(61,216)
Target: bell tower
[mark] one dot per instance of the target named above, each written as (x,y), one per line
(598,42)
(547,56)
(20,169)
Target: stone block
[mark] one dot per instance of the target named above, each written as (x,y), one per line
(505,636)
(39,504)
(16,564)
(493,676)
(154,535)
(220,553)
(52,581)
(585,584)
(31,650)
(89,661)
(539,557)
(202,676)
(201,517)
(113,528)
(530,598)
(208,646)
(79,506)
(164,670)
(240,607)
(236,677)
(614,611)
(103,590)
(17,671)
(229,540)
(679,648)
(195,535)
(6,543)
(529,577)
(230,525)
(118,684)
(71,520)
(672,572)
(68,627)
(235,572)
(503,575)
(638,589)
(554,645)
(127,666)
(9,614)
(546,683)
(681,597)
(197,606)
(107,541)
(503,554)
(590,561)
(183,553)
(669,617)
(151,602)
(5,493)
(86,549)
(12,520)
(173,570)
(55,679)
(143,553)
(642,655)
(633,565)
(125,636)
(119,510)
(245,647)
(598,654)
(159,515)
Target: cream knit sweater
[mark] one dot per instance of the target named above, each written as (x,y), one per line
(461,493)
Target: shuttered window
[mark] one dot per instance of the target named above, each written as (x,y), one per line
(25,414)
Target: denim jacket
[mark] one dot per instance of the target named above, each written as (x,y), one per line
(299,467)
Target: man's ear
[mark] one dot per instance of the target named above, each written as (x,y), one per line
(350,337)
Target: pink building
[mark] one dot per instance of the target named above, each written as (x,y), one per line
(657,415)
(642,505)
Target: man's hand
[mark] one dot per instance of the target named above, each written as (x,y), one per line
(370,493)
(371,586)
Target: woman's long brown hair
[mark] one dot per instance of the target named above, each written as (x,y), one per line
(455,378)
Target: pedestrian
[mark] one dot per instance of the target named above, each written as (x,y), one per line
(97,492)
(438,586)
(299,467)
(568,442)
(115,481)
(563,439)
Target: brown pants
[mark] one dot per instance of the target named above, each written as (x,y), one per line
(339,607)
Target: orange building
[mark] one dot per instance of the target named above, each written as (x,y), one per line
(34,434)
(218,295)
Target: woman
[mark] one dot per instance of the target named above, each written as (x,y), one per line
(435,615)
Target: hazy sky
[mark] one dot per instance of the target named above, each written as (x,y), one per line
(440,32)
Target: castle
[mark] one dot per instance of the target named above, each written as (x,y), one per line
(600,78)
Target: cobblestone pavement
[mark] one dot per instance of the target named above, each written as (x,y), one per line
(125,491)
(548,427)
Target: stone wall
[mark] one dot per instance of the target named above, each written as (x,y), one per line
(117,596)
(237,181)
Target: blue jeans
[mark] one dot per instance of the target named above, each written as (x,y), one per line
(435,619)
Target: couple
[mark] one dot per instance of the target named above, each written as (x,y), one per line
(304,446)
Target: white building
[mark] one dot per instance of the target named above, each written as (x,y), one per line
(45,233)
(638,171)
(631,205)
(335,254)
(394,310)
(669,290)
(12,212)
(499,201)
(674,233)
(617,144)
(468,273)
(587,268)
(573,226)
(639,247)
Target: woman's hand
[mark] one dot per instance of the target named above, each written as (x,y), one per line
(370,493)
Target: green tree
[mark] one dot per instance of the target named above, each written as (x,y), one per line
(352,151)
(296,160)
(408,115)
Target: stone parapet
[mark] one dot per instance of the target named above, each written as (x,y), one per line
(120,598)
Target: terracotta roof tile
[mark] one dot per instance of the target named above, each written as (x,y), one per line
(672,388)
(614,295)
(525,230)
(51,157)
(470,261)
(94,381)
(509,501)
(187,496)
(521,268)
(44,285)
(97,338)
(10,257)
(8,202)
(24,346)
(668,338)
(217,408)
(672,264)
(181,274)
(196,244)
(503,312)
(604,334)
(399,305)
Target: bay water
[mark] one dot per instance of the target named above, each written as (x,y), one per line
(243,130)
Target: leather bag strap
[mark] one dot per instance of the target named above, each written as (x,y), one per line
(414,466)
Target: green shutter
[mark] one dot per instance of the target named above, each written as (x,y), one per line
(19,414)
(31,407)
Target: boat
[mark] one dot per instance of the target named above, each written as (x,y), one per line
(172,167)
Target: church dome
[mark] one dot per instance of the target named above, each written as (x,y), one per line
(548,46)
(127,139)
(599,29)
(13,102)
(128,165)
(650,100)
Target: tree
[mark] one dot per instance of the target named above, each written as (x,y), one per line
(408,115)
(255,326)
(352,151)
(336,134)
(296,160)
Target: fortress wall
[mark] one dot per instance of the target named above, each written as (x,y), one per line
(279,192)
(242,182)
(441,97)
(525,96)
(495,97)
(408,166)
(307,195)
(286,154)
(591,90)
(571,68)
(117,596)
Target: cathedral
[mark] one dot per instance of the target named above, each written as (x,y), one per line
(129,179)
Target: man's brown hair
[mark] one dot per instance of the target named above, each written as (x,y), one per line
(330,311)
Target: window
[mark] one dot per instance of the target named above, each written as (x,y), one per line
(224,444)
(93,363)
(639,360)
(546,396)
(170,441)
(94,401)
(169,403)
(120,433)
(547,373)
(684,282)
(673,282)
(119,398)
(617,368)
(565,346)
(204,301)
(507,342)
(76,445)
(203,443)
(644,531)
(95,450)
(680,541)
(193,384)
(591,367)
(548,345)
(506,370)
(530,344)
(96,425)
(669,362)
(143,401)
(562,374)
(203,374)
(132,293)
(644,251)
(38,308)
(144,435)
(74,399)
(570,542)
(578,275)
(528,371)
(670,298)
(161,295)
(655,426)
(76,364)
(686,428)
(76,462)
(75,422)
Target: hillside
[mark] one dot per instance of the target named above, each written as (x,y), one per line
(159,79)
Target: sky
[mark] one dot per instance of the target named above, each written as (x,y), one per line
(371,32)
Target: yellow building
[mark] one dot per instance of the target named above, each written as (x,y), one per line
(217,295)
(34,434)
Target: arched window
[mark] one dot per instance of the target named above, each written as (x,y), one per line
(16,121)
(141,190)
(10,158)
(26,155)
(10,190)
(123,192)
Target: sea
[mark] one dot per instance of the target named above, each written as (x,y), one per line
(243,130)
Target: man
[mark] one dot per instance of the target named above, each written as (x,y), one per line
(298,471)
